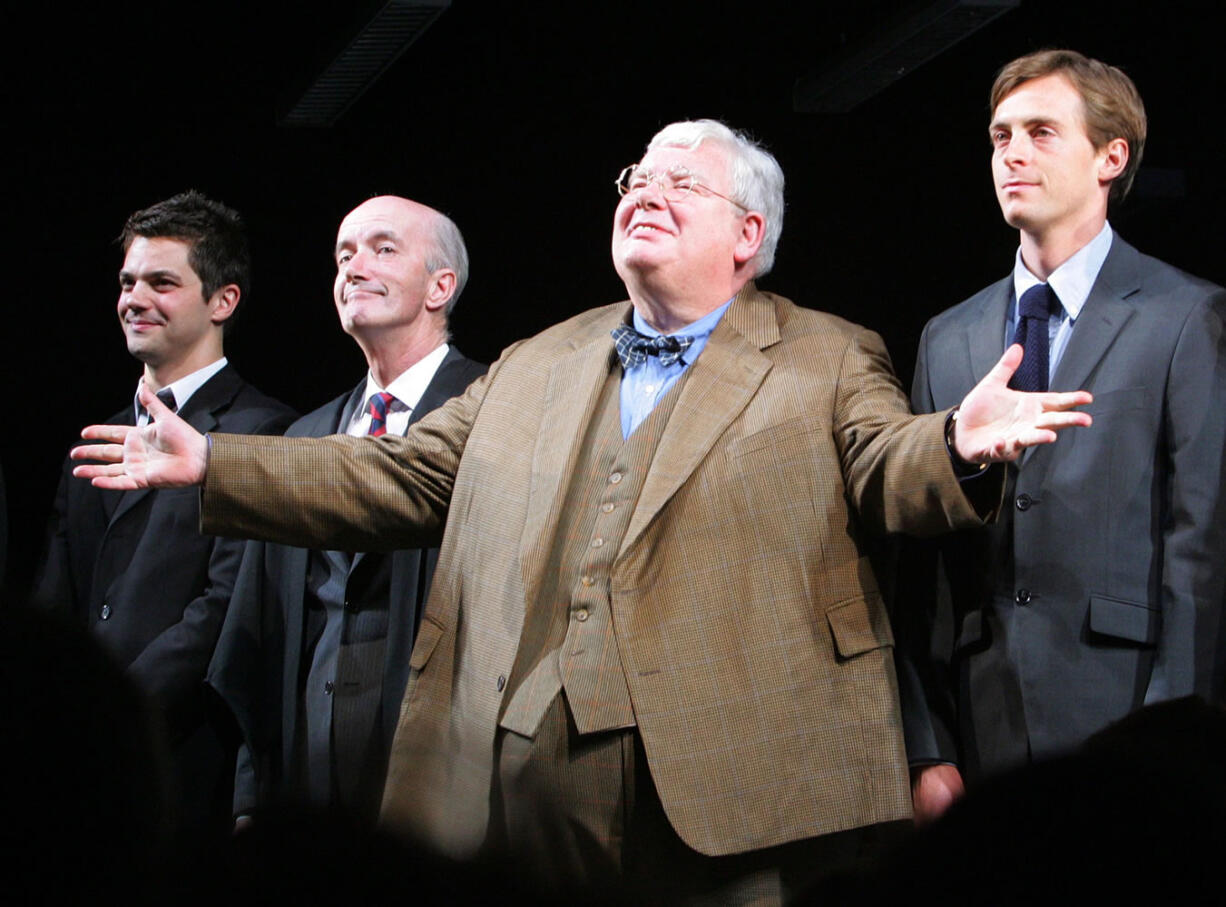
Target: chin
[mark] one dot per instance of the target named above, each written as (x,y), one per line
(137,349)
(1015,218)
(635,261)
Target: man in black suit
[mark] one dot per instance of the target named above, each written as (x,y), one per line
(314,655)
(1101,587)
(133,565)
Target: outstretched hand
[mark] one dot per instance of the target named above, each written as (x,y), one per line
(996,423)
(166,453)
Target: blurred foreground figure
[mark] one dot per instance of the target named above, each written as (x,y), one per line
(83,782)
(1135,814)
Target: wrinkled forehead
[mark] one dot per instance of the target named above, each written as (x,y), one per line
(380,217)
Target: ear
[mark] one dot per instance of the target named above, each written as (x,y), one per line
(224,303)
(442,288)
(753,229)
(1112,159)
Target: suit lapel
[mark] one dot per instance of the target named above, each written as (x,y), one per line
(985,332)
(442,386)
(200,413)
(1102,318)
(112,499)
(719,386)
(566,415)
(340,421)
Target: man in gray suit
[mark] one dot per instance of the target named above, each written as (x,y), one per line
(314,653)
(1101,587)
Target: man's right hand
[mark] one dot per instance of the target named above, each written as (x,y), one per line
(934,789)
(166,453)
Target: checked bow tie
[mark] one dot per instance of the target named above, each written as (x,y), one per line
(633,348)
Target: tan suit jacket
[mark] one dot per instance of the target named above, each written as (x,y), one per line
(751,629)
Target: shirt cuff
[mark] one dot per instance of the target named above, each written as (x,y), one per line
(962,469)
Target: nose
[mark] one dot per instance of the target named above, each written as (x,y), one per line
(355,266)
(1018,149)
(130,298)
(649,196)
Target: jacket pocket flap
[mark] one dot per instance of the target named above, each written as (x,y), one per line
(1125,620)
(428,636)
(859,625)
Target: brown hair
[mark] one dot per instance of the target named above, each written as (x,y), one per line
(1110,102)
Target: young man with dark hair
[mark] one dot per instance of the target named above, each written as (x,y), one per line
(133,566)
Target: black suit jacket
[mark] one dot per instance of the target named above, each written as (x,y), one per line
(259,665)
(134,568)
(1101,588)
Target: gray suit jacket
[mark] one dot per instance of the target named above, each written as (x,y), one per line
(1101,587)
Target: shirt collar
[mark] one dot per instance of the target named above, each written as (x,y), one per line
(700,330)
(1074,279)
(409,386)
(185,386)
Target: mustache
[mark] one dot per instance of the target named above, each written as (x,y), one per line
(361,286)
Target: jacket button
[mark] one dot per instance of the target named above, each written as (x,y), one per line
(105,613)
(502,682)
(581,615)
(329,686)
(1023,502)
(1022,597)
(350,606)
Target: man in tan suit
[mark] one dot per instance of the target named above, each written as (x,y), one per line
(654,645)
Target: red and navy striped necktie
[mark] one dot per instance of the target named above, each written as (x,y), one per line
(378,407)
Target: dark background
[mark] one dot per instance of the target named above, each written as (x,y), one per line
(514,118)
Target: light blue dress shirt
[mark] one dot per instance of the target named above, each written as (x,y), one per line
(1071,282)
(643,385)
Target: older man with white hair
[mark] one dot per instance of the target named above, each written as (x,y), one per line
(654,648)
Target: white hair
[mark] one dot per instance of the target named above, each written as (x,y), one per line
(448,251)
(757,178)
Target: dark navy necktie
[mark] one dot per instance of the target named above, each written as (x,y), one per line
(1034,311)
(633,348)
(167,396)
(379,404)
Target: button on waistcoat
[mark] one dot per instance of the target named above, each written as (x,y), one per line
(568,641)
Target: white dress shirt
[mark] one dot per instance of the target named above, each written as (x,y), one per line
(407,388)
(182,389)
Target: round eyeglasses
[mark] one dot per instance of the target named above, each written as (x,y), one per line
(674,184)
